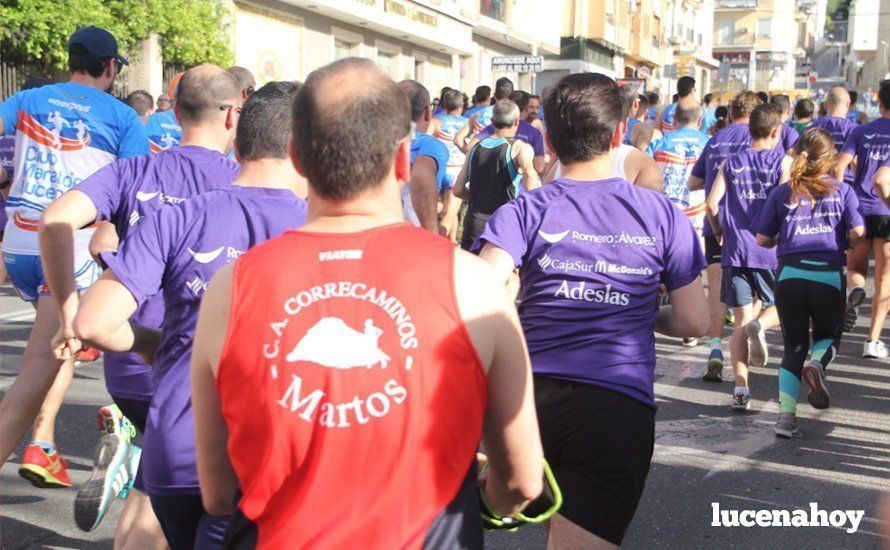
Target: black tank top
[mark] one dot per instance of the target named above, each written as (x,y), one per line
(493,177)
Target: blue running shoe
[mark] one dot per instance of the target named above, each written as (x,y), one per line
(133,467)
(715,366)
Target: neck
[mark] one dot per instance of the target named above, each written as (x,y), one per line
(421,126)
(761,144)
(506,132)
(740,120)
(457,111)
(885,114)
(87,80)
(208,138)
(380,206)
(271,173)
(595,169)
(838,112)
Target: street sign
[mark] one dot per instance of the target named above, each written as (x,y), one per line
(517,64)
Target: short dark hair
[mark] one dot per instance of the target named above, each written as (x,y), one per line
(764,119)
(628,96)
(503,88)
(685,85)
(688,115)
(675,98)
(644,99)
(884,94)
(742,104)
(582,112)
(141,101)
(266,122)
(854,95)
(721,112)
(202,91)
(708,98)
(520,98)
(418,97)
(452,100)
(653,98)
(763,97)
(345,143)
(534,96)
(781,101)
(79,63)
(483,94)
(804,109)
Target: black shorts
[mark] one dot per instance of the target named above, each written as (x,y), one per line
(599,443)
(713,250)
(877,227)
(474,225)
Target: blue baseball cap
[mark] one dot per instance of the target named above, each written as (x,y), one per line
(94,43)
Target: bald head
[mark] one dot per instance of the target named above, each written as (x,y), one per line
(245,79)
(202,91)
(837,101)
(346,143)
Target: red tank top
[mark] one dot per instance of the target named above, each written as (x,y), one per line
(352,393)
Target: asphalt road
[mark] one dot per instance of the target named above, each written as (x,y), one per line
(705,453)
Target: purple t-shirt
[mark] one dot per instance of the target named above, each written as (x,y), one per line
(591,256)
(175,253)
(816,229)
(726,142)
(526,132)
(750,177)
(840,129)
(788,138)
(124,193)
(870,143)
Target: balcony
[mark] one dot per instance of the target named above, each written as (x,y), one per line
(494,9)
(735,5)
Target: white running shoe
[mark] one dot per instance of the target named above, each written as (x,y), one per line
(874,349)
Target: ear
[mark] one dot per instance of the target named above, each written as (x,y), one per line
(292,153)
(427,114)
(618,134)
(231,121)
(176,111)
(403,162)
(110,69)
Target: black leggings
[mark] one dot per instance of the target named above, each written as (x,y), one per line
(807,295)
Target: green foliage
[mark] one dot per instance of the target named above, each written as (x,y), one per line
(191,31)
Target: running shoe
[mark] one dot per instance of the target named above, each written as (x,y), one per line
(814,378)
(715,367)
(112,472)
(690,342)
(741,402)
(133,465)
(44,470)
(786,427)
(758,353)
(86,355)
(874,349)
(854,300)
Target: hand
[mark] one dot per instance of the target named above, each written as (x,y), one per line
(448,227)
(65,344)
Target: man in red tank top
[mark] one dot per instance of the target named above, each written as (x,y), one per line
(352,367)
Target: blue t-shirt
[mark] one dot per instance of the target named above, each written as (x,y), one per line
(708,118)
(427,145)
(163,131)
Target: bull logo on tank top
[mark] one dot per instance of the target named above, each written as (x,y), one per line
(339,353)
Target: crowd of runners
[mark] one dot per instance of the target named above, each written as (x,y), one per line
(300,355)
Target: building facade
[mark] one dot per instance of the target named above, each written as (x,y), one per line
(867,51)
(689,30)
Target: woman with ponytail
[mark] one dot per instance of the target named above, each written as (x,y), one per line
(812,219)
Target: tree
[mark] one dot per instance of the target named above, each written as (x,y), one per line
(192,31)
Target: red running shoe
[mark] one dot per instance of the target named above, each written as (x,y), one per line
(87,355)
(47,471)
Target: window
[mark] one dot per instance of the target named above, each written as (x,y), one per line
(725,31)
(690,35)
(763,28)
(342,49)
(385,61)
(492,8)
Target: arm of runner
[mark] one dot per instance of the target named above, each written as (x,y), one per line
(713,202)
(529,165)
(105,239)
(103,319)
(695,183)
(683,261)
(460,184)
(766,242)
(424,191)
(840,165)
(786,169)
(215,473)
(58,224)
(687,316)
(510,435)
(500,261)
(460,139)
(448,224)
(539,164)
(648,174)
(882,184)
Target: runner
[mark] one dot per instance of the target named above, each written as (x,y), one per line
(444,129)
(526,132)
(724,144)
(125,193)
(481,100)
(174,253)
(44,169)
(739,193)
(789,134)
(709,113)
(429,161)
(685,98)
(413,405)
(163,130)
(837,102)
(638,113)
(592,251)
(803,115)
(245,80)
(854,114)
(654,108)
(809,218)
(141,102)
(498,169)
(482,118)
(869,144)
